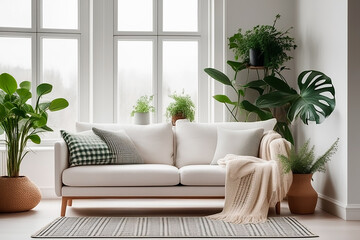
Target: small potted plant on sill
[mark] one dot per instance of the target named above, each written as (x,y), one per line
(263,45)
(141,111)
(21,122)
(182,108)
(302,197)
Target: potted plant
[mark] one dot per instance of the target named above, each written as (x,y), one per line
(21,122)
(263,45)
(182,108)
(302,197)
(141,111)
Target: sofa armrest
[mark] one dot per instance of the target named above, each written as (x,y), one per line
(61,163)
(272,144)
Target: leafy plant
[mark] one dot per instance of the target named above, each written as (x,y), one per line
(272,43)
(303,161)
(21,121)
(143,105)
(183,105)
(315,102)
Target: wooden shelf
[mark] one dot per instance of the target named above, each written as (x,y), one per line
(256,67)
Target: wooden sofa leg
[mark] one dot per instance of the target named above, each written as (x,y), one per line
(64,202)
(277,208)
(69,202)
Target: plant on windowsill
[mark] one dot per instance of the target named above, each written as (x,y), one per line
(22,122)
(182,108)
(141,111)
(302,197)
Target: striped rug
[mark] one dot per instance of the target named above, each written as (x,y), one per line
(170,227)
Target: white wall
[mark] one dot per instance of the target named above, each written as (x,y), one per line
(353,107)
(322,34)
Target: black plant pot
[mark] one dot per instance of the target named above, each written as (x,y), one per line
(256,57)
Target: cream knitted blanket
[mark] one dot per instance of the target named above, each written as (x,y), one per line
(254,184)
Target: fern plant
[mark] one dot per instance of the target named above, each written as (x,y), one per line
(303,161)
(183,105)
(143,105)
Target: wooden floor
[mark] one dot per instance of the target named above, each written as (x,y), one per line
(20,226)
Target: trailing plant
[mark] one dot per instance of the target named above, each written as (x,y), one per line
(143,105)
(21,121)
(272,43)
(303,161)
(183,105)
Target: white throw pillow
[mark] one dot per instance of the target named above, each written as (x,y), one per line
(238,142)
(196,142)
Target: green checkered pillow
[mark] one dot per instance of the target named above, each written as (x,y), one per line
(87,148)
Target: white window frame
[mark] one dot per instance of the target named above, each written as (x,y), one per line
(135,33)
(202,36)
(52,30)
(201,12)
(36,33)
(154,77)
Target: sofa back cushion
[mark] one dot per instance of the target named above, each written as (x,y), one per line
(153,142)
(196,142)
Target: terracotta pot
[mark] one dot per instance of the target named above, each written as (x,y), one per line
(302,197)
(18,194)
(177,117)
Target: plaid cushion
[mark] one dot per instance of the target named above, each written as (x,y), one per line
(87,148)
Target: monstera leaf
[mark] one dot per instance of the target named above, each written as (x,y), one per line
(315,102)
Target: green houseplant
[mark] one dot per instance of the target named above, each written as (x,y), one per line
(141,110)
(315,100)
(266,40)
(302,197)
(182,107)
(21,122)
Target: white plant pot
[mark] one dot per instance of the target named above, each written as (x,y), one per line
(142,118)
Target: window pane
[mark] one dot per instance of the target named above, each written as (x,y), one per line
(15,57)
(135,15)
(60,68)
(180,70)
(60,14)
(12,15)
(180,15)
(135,75)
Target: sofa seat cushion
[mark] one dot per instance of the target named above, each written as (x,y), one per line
(202,175)
(121,175)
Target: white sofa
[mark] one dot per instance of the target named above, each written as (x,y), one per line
(176,164)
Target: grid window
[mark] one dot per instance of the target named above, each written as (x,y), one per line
(176,59)
(40,42)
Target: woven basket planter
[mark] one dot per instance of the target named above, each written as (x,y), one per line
(18,194)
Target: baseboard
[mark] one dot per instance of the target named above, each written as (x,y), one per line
(48,193)
(339,209)
(332,206)
(353,212)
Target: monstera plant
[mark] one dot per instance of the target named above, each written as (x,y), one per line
(314,102)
